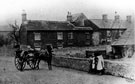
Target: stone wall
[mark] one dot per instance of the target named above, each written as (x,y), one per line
(115,68)
(72,62)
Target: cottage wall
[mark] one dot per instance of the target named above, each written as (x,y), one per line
(128,51)
(23,35)
(103,37)
(123,51)
(50,37)
(30,39)
(114,35)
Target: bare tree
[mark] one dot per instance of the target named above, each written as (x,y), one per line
(14,34)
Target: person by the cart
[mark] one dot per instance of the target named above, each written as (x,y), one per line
(50,50)
(30,50)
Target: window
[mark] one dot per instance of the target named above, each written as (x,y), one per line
(37,36)
(70,35)
(87,42)
(87,35)
(60,35)
(120,32)
(103,41)
(109,39)
(108,33)
(37,45)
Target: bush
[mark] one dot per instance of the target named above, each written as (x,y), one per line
(4,40)
(7,51)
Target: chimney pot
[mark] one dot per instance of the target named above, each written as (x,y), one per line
(117,17)
(104,17)
(24,17)
(129,18)
(69,17)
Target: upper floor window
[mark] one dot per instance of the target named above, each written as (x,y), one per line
(70,35)
(87,35)
(60,35)
(37,36)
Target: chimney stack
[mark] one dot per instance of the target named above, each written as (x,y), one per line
(104,17)
(129,18)
(69,17)
(24,17)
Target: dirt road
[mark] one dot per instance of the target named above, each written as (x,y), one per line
(9,75)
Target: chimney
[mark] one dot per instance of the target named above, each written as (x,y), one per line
(129,18)
(104,17)
(24,17)
(117,18)
(69,17)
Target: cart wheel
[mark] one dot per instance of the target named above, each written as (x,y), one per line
(19,63)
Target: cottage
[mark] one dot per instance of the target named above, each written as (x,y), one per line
(125,45)
(109,29)
(38,33)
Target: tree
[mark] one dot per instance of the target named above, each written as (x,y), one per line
(1,40)
(14,34)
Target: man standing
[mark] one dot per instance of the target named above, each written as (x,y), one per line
(49,50)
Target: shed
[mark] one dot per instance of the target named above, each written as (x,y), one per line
(125,45)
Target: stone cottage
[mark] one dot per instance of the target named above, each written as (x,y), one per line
(38,33)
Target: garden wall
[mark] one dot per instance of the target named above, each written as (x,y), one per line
(115,68)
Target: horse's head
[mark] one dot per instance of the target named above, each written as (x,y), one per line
(44,53)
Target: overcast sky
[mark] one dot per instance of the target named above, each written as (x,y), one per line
(11,10)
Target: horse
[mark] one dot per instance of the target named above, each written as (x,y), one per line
(44,55)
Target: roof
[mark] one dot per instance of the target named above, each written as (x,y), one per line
(33,25)
(126,39)
(111,24)
(82,28)
(48,25)
(78,17)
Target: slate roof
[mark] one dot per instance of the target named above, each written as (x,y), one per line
(39,25)
(48,25)
(111,24)
(128,38)
(82,28)
(78,17)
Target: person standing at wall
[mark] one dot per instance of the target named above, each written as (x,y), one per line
(100,63)
(92,63)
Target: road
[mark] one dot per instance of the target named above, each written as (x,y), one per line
(10,75)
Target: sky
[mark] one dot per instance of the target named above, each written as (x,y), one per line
(11,10)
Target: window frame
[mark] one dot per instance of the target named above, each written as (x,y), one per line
(108,33)
(87,34)
(59,35)
(70,35)
(37,36)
